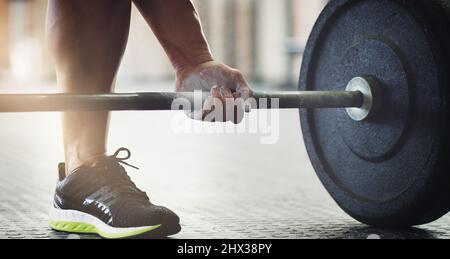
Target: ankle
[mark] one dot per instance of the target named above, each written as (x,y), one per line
(73,163)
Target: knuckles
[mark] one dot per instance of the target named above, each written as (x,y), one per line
(228,91)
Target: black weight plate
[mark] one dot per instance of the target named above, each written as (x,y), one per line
(392,169)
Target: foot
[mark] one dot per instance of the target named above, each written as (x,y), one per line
(103,200)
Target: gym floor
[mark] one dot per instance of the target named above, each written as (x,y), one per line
(223,185)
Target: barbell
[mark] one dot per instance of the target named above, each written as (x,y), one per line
(353,98)
(381,68)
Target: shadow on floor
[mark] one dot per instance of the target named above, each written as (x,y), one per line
(349,232)
(366,232)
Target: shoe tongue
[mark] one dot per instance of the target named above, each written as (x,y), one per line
(109,164)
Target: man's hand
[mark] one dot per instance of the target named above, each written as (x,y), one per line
(185,44)
(228,87)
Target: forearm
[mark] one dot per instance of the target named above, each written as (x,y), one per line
(177,26)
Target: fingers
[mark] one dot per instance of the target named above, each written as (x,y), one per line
(211,105)
(227,102)
(233,108)
(221,105)
(243,91)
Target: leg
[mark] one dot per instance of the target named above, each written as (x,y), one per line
(87,40)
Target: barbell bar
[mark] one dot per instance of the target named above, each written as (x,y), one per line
(160,101)
(357,98)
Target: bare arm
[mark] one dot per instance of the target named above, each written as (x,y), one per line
(177,26)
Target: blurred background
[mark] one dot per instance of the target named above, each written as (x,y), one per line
(263,38)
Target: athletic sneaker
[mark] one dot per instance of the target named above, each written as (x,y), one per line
(103,200)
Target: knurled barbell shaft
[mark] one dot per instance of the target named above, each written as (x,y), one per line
(163,101)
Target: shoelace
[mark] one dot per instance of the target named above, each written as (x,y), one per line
(121,160)
(135,192)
